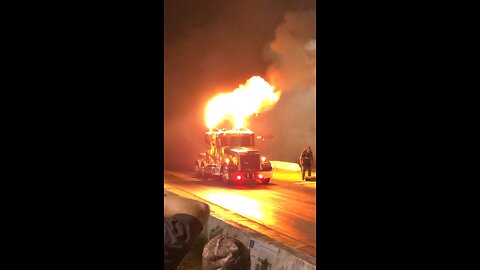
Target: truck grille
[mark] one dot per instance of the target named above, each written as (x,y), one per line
(250,162)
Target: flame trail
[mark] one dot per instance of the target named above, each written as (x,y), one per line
(255,96)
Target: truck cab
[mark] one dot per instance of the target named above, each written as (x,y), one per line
(232,156)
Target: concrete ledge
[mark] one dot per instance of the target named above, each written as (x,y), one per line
(285,258)
(287,166)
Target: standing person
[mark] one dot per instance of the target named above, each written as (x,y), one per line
(183,221)
(306,161)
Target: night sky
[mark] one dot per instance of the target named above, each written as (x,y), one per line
(213,46)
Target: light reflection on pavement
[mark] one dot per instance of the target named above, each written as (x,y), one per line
(284,206)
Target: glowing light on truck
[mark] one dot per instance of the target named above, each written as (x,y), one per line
(253,97)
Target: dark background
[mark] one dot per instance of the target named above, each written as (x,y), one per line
(87,132)
(214,46)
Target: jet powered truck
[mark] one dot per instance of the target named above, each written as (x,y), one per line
(231,156)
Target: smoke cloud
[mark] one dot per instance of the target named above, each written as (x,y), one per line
(294,52)
(293,70)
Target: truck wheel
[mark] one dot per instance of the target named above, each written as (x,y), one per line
(196,167)
(225,175)
(203,175)
(266,181)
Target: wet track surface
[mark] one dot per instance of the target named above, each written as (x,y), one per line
(285,205)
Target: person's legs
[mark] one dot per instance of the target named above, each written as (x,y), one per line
(303,172)
(309,170)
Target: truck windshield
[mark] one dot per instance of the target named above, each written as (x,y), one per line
(245,141)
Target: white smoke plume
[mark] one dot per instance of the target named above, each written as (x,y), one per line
(293,71)
(294,52)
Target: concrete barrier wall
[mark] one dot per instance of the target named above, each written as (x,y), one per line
(288,166)
(265,253)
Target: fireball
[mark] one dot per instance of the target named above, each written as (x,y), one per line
(255,96)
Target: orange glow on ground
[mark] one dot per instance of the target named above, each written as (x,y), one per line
(241,205)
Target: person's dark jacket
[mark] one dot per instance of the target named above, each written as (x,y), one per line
(180,233)
(306,158)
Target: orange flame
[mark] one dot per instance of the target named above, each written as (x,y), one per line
(255,96)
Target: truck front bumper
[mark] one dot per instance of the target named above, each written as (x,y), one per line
(252,177)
